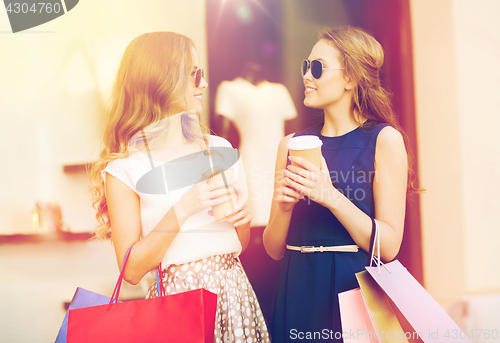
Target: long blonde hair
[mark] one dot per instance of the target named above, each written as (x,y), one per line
(362,57)
(151,81)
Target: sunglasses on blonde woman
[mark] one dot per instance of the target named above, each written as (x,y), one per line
(197,75)
(316,68)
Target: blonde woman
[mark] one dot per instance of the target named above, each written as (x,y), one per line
(151,190)
(364,175)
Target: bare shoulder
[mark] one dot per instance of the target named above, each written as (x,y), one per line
(390,151)
(390,135)
(283,152)
(390,140)
(283,148)
(284,142)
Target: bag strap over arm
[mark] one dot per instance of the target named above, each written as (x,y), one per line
(372,243)
(116,292)
(375,244)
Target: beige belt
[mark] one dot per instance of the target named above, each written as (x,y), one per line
(339,248)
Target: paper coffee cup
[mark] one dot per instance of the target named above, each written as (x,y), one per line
(307,147)
(228,177)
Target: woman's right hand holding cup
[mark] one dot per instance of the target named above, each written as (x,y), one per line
(201,196)
(308,147)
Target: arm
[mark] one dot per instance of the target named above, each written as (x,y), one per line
(241,217)
(124,215)
(284,199)
(389,192)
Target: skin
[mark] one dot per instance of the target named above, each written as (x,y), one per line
(124,204)
(333,93)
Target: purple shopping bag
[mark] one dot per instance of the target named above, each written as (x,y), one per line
(81,299)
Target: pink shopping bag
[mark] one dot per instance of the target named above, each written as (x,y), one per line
(356,322)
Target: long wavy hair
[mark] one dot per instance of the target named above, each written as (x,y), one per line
(150,84)
(362,57)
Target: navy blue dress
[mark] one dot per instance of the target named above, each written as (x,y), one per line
(307,298)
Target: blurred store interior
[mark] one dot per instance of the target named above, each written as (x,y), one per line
(441,65)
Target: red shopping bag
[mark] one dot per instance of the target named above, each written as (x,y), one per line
(183,317)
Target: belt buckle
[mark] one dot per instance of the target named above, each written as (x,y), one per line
(303,247)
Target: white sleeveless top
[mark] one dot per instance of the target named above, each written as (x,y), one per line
(200,236)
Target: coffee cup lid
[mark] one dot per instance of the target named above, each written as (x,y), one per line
(304,142)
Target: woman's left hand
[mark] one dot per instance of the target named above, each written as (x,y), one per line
(239,215)
(311,181)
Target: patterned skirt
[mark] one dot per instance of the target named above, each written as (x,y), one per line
(239,318)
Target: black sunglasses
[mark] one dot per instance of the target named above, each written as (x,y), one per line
(316,68)
(197,75)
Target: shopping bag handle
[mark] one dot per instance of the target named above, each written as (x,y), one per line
(372,243)
(160,288)
(375,243)
(116,292)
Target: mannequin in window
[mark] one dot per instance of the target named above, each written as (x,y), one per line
(258,109)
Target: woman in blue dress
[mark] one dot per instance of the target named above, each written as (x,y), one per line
(364,174)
